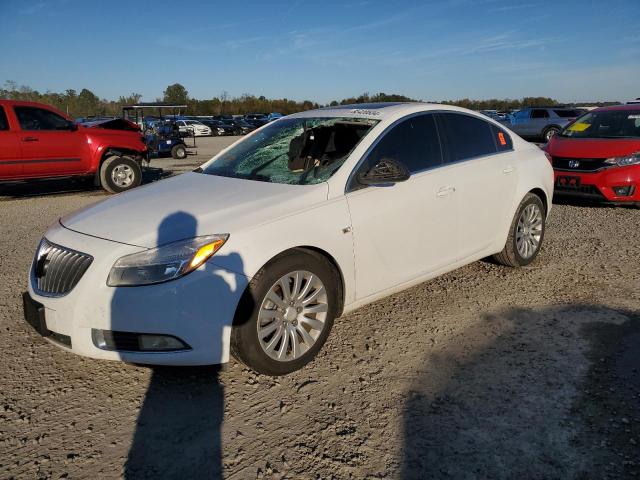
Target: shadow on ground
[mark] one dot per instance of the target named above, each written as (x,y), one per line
(63,186)
(178,430)
(513,402)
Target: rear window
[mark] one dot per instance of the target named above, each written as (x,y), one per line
(568,113)
(466,136)
(502,139)
(4,124)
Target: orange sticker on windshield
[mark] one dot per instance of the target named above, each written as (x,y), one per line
(503,141)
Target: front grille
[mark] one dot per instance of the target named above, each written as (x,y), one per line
(579,164)
(56,269)
(589,190)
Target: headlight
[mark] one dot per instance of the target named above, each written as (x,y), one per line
(631,159)
(164,263)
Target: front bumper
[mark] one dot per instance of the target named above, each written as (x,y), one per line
(198,308)
(600,185)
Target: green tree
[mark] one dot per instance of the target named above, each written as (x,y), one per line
(176,93)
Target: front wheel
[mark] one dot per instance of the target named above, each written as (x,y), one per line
(525,234)
(179,152)
(287,312)
(120,173)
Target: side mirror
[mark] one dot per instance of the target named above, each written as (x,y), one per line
(73,126)
(387,171)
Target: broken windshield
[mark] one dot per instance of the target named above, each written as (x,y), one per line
(294,150)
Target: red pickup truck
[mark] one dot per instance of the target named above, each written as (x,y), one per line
(38,141)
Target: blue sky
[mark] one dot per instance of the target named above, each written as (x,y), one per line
(572,50)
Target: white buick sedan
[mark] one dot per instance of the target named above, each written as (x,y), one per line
(256,252)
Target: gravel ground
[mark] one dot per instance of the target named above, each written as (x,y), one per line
(486,372)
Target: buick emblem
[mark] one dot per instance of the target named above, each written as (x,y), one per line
(574,163)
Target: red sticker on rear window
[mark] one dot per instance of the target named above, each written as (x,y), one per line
(503,141)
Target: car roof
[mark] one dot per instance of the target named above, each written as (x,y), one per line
(379,111)
(629,106)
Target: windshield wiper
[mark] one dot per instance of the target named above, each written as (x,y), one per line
(617,136)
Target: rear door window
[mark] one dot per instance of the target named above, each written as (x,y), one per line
(4,124)
(413,142)
(539,113)
(32,118)
(466,136)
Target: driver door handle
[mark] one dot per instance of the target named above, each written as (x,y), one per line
(444,191)
(507,170)
(30,139)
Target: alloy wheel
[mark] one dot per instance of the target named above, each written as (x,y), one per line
(292,315)
(529,231)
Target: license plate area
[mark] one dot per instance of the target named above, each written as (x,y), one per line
(568,182)
(34,314)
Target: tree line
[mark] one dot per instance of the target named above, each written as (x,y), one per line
(86,103)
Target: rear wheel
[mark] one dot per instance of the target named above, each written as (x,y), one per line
(550,132)
(287,313)
(120,173)
(179,152)
(525,234)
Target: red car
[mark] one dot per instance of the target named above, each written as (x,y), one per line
(597,157)
(38,141)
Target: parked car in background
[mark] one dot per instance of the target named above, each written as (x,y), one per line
(256,252)
(494,114)
(256,119)
(635,101)
(223,118)
(240,127)
(219,128)
(194,127)
(598,156)
(37,141)
(274,116)
(541,122)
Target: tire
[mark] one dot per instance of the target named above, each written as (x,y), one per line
(179,152)
(550,132)
(115,165)
(512,255)
(251,348)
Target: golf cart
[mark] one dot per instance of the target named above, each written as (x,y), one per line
(160,131)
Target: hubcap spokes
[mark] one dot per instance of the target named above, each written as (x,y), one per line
(292,315)
(122,175)
(529,231)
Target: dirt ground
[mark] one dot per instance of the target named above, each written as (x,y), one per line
(486,372)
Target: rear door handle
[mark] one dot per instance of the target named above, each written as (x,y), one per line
(30,139)
(507,170)
(444,191)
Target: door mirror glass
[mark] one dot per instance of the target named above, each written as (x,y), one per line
(387,171)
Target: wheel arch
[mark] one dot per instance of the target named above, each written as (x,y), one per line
(240,313)
(543,196)
(118,151)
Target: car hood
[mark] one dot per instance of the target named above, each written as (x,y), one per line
(591,147)
(190,205)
